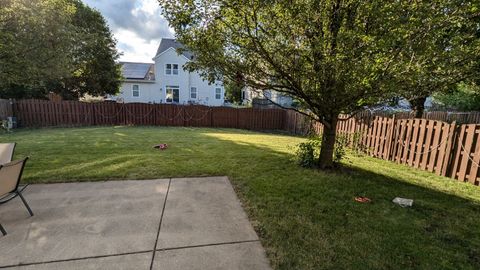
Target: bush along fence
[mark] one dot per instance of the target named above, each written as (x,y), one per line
(447,149)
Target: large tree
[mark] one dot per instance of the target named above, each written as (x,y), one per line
(62,46)
(447,53)
(334,56)
(233,90)
(95,71)
(35,39)
(465,97)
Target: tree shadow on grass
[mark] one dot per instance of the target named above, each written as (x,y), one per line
(308,219)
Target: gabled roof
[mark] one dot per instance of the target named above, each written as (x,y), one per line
(138,71)
(167,43)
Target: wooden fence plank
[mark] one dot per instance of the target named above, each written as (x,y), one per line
(466,147)
(421,149)
(434,147)
(472,176)
(441,147)
(448,145)
(458,152)
(413,143)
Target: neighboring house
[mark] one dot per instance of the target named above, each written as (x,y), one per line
(165,81)
(401,105)
(139,83)
(263,98)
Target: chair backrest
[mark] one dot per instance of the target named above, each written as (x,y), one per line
(6,152)
(10,175)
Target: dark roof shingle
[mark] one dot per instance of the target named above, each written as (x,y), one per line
(167,43)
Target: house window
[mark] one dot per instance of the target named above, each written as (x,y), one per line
(171,69)
(135,90)
(193,93)
(172,94)
(218,93)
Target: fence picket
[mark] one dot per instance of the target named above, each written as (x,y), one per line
(472,176)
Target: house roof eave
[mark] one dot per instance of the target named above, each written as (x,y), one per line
(171,48)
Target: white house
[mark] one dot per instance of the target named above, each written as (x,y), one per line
(165,81)
(249,95)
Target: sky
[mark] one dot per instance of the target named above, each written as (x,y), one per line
(137,25)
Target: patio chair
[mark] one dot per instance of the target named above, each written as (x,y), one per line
(6,152)
(2,230)
(10,175)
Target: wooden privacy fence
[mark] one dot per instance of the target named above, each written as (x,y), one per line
(43,113)
(445,149)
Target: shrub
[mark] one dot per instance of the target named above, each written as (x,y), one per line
(339,151)
(357,146)
(307,152)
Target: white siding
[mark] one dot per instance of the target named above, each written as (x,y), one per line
(170,56)
(148,92)
(206,92)
(185,80)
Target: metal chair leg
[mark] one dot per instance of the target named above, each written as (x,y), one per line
(25,203)
(3,230)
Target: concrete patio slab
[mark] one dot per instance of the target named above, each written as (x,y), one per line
(123,262)
(240,256)
(79,220)
(202,211)
(187,223)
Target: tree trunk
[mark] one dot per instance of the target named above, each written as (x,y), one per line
(325,160)
(418,105)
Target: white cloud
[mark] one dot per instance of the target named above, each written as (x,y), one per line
(137,25)
(135,48)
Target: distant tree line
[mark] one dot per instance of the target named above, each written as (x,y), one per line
(464,97)
(60,46)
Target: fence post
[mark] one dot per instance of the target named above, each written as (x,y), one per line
(124,108)
(295,124)
(211,116)
(236,112)
(452,137)
(184,118)
(93,121)
(389,139)
(154,118)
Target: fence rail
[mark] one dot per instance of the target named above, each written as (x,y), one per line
(437,143)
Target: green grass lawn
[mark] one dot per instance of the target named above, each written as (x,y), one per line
(307,219)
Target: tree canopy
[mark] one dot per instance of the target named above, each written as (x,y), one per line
(61,46)
(465,97)
(446,53)
(334,56)
(233,91)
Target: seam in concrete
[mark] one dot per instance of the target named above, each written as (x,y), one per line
(160,224)
(76,259)
(209,245)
